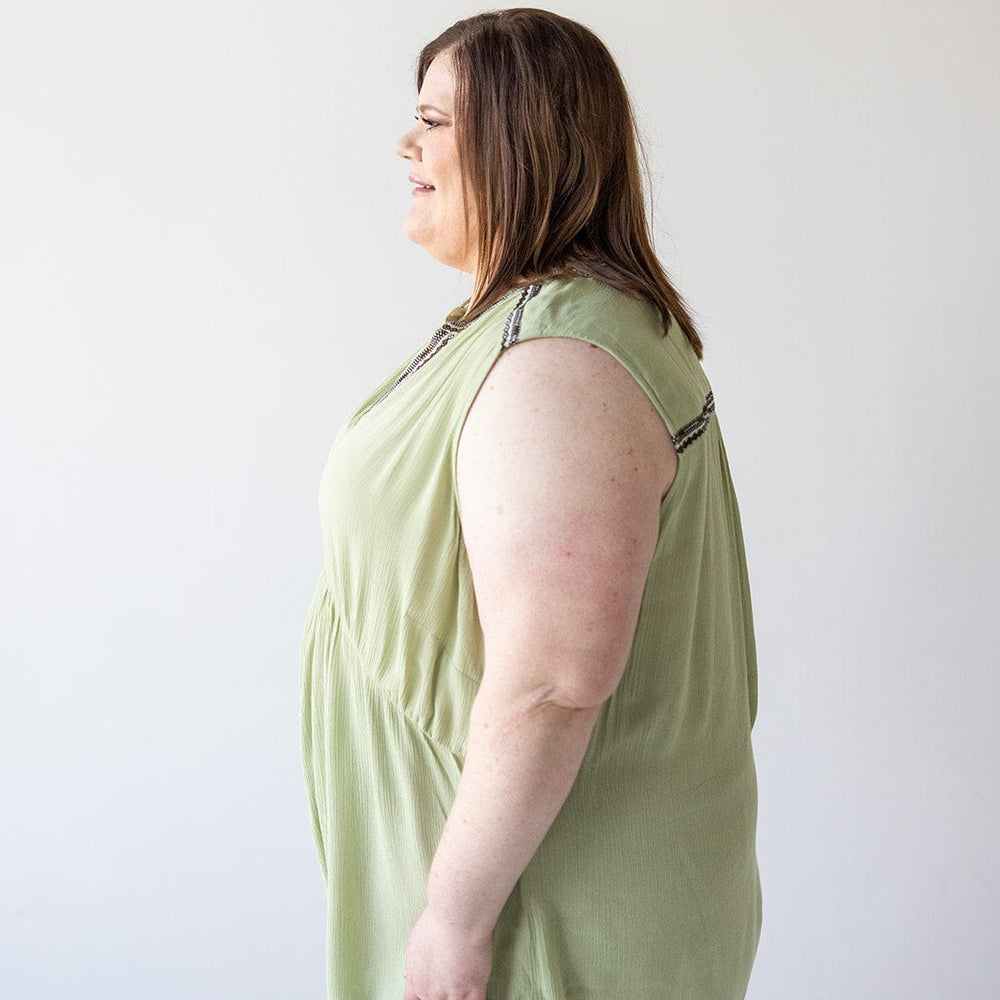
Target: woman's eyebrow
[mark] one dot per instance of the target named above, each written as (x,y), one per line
(424,108)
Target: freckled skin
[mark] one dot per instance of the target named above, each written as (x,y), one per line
(544,442)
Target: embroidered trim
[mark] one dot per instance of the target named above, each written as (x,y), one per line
(694,429)
(444,333)
(512,328)
(439,338)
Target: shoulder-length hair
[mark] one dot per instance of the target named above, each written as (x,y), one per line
(549,154)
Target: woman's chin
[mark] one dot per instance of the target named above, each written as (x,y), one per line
(414,230)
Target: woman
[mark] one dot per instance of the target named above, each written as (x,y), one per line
(528,671)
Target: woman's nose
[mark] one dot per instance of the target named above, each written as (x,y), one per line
(406,147)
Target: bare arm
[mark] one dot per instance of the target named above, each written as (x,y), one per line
(562,466)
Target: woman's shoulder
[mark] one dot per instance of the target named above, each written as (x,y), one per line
(629,328)
(577,407)
(577,305)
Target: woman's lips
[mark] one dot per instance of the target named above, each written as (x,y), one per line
(420,187)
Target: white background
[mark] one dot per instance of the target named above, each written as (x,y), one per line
(201,270)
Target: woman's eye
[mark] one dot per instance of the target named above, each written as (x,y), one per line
(426,121)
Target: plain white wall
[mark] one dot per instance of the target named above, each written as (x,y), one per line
(202,268)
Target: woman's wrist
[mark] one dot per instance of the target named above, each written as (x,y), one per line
(467,916)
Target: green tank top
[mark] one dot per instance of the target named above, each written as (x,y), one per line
(646,886)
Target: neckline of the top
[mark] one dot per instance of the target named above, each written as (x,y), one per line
(454,321)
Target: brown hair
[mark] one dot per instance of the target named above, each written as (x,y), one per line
(550,153)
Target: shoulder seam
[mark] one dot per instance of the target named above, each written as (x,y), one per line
(512,328)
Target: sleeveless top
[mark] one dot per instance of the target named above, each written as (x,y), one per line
(645,887)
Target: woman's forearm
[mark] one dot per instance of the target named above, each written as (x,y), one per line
(523,755)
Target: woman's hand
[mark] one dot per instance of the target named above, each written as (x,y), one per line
(443,963)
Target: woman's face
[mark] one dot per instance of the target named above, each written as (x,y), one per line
(436,220)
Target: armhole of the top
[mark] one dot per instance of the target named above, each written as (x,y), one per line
(511,336)
(681,438)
